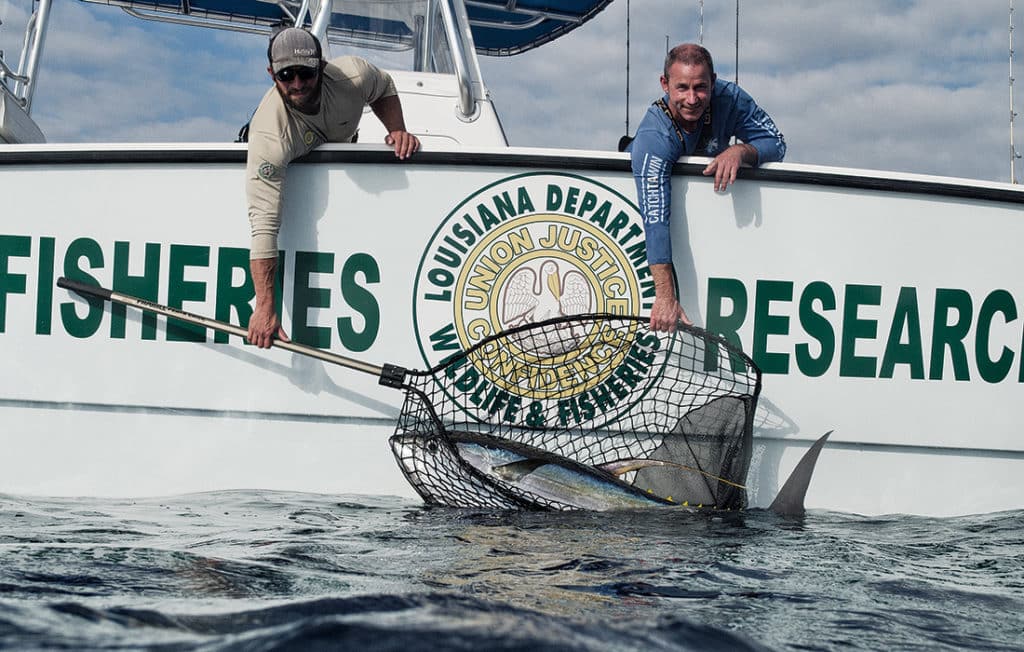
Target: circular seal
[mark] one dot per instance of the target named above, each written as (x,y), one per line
(526,249)
(536,268)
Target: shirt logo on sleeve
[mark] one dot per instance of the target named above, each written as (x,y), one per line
(267,171)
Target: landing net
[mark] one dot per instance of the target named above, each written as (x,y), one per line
(663,415)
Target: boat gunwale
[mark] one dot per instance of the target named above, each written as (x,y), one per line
(535,158)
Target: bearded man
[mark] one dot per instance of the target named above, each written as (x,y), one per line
(313,101)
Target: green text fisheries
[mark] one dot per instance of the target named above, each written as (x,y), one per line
(232,297)
(853,330)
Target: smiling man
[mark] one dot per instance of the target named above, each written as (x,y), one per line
(312,102)
(697,116)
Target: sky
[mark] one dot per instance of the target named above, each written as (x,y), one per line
(902,85)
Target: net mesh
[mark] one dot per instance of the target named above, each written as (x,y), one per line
(587,411)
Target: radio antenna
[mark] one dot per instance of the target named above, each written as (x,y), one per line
(737,78)
(1014,155)
(627,67)
(700,30)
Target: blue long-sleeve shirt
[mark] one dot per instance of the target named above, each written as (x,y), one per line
(657,147)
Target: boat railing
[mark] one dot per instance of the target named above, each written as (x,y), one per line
(467,99)
(225,24)
(536,16)
(6,73)
(28,63)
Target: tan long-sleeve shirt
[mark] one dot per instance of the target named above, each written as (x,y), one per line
(278,134)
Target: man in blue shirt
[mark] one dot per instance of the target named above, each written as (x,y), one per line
(697,116)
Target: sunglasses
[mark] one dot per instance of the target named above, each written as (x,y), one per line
(302,72)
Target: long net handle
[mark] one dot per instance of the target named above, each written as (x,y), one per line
(86,289)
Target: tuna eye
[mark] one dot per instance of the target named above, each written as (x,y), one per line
(432,446)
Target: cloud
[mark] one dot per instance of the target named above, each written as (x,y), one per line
(107,76)
(907,86)
(916,85)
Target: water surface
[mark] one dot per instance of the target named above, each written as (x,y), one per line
(269,570)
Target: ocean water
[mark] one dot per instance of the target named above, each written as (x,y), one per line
(260,570)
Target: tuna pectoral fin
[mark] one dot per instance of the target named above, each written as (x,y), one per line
(790,501)
(514,471)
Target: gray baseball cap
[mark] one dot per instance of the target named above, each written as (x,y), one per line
(294,47)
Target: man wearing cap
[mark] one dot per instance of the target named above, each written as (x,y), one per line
(313,102)
(697,116)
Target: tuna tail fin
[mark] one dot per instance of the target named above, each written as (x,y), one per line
(790,499)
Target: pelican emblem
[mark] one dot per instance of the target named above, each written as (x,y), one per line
(531,298)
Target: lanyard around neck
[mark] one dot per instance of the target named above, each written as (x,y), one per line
(705,128)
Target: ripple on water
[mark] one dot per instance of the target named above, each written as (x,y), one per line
(244,570)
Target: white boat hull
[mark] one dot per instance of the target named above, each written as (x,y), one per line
(76,452)
(885,309)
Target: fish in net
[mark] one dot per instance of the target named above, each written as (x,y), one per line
(591,411)
(582,412)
